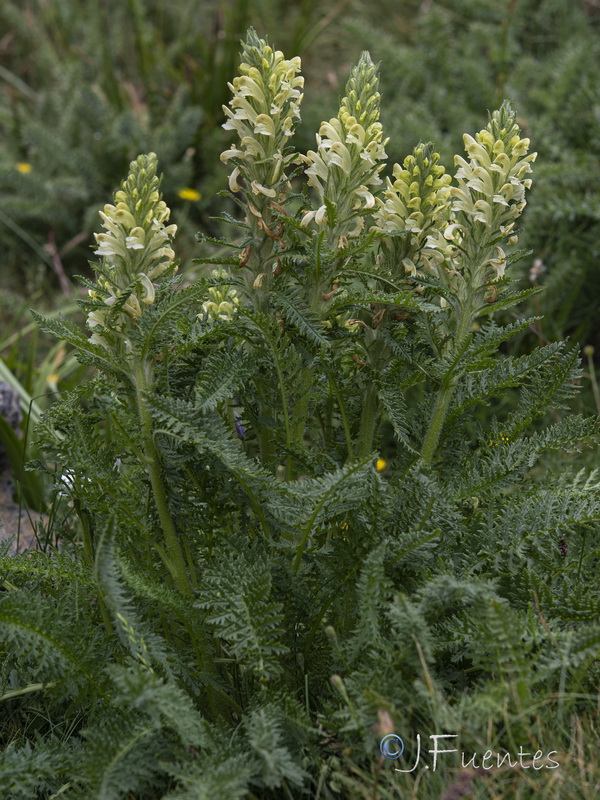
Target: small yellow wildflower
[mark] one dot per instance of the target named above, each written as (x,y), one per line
(503,439)
(189,194)
(381,464)
(23,167)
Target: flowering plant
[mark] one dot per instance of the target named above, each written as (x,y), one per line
(349,157)
(297,539)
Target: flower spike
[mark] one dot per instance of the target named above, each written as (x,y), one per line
(416,202)
(350,155)
(135,248)
(491,185)
(263,111)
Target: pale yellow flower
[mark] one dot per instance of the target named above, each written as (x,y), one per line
(135,247)
(415,204)
(263,111)
(492,183)
(350,155)
(223,301)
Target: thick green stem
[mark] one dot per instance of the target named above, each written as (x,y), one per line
(344,415)
(368,422)
(286,418)
(436,423)
(176,563)
(442,402)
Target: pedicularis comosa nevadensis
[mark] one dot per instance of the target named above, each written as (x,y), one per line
(298,532)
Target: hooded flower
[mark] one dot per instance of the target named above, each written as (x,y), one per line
(223,299)
(350,154)
(414,207)
(490,194)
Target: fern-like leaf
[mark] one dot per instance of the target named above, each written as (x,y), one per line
(236,592)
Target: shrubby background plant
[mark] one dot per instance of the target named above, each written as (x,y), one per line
(255,594)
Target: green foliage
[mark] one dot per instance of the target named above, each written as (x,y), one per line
(237,595)
(256,593)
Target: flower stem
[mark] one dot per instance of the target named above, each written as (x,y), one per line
(442,402)
(368,422)
(436,423)
(344,416)
(175,563)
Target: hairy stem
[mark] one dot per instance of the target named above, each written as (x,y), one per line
(438,416)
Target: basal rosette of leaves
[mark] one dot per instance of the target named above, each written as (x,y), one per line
(256,586)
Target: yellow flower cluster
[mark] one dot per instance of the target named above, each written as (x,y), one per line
(502,440)
(135,247)
(350,153)
(416,203)
(264,109)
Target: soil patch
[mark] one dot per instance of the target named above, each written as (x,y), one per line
(15,521)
